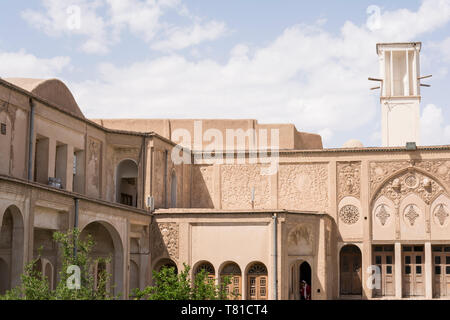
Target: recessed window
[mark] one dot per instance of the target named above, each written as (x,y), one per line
(407,259)
(3,128)
(447,270)
(407,269)
(418,248)
(418,269)
(378,259)
(389,269)
(418,259)
(407,248)
(388,259)
(437,260)
(437,270)
(447,260)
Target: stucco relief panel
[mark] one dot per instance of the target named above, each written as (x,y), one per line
(303,186)
(237,184)
(349,176)
(164,240)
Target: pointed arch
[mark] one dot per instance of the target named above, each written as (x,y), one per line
(389,187)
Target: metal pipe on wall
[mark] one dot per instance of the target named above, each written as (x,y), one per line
(75,224)
(30,141)
(275,255)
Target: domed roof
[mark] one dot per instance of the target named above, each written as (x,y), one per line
(353,143)
(52,90)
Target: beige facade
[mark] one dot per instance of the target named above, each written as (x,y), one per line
(325,216)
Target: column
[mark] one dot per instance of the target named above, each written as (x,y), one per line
(398,270)
(428,271)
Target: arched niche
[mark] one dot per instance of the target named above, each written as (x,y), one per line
(233,272)
(383,219)
(108,244)
(440,217)
(12,244)
(126,183)
(257,281)
(412,213)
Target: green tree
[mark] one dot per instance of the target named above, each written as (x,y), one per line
(35,286)
(172,286)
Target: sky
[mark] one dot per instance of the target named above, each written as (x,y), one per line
(283,61)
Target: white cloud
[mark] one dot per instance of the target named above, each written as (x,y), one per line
(102,23)
(306,76)
(24,64)
(180,38)
(433,129)
(55,22)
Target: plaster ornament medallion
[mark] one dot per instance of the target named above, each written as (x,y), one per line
(349,214)
(441,213)
(411,214)
(411,181)
(382,214)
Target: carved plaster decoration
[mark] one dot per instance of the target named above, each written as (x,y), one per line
(379,171)
(349,214)
(411,214)
(298,233)
(441,213)
(165,239)
(382,214)
(410,181)
(349,176)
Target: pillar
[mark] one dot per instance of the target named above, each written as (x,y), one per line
(398,270)
(428,271)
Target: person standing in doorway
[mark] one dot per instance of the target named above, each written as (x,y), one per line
(305,291)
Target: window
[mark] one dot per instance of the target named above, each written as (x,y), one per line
(437,260)
(3,129)
(437,270)
(389,269)
(407,259)
(447,260)
(447,270)
(418,269)
(418,259)
(388,259)
(407,269)
(378,260)
(126,199)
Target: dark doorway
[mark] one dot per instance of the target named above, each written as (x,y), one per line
(305,273)
(305,276)
(350,275)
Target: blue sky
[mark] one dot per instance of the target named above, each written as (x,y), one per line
(301,62)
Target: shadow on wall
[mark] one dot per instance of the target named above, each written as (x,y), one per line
(202,187)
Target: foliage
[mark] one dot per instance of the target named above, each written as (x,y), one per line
(172,286)
(35,286)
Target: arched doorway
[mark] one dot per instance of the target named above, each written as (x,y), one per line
(126,183)
(305,275)
(350,270)
(108,245)
(300,270)
(233,272)
(257,282)
(12,246)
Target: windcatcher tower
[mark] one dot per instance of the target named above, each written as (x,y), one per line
(400,92)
